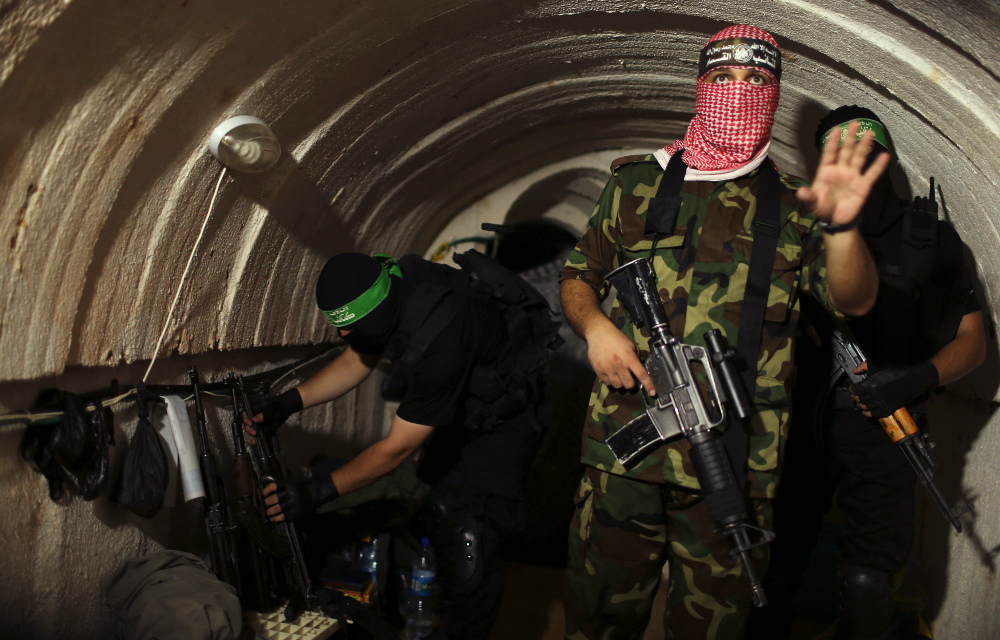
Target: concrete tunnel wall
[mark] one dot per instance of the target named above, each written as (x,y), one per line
(396,118)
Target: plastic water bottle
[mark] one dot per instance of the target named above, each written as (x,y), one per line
(419,619)
(420,613)
(368,558)
(423,571)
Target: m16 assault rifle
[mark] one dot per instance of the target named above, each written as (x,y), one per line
(900,426)
(681,410)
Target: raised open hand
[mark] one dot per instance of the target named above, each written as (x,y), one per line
(840,188)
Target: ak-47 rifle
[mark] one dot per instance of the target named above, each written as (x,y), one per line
(272,470)
(265,544)
(900,426)
(218,520)
(681,410)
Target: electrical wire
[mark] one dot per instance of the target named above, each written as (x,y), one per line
(18,419)
(187,268)
(325,354)
(442,251)
(23,416)
(28,416)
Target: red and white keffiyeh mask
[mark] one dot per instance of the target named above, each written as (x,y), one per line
(733,120)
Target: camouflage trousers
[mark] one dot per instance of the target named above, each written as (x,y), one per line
(622,533)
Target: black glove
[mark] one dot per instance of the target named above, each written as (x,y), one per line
(885,391)
(277,409)
(304,496)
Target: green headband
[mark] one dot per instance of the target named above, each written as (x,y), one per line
(362,305)
(865,124)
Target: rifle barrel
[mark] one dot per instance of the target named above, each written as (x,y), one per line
(725,502)
(926,479)
(217,521)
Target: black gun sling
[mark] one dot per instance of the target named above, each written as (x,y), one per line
(661,214)
(765,229)
(661,219)
(431,308)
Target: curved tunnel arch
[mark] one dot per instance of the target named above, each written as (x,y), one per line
(398,118)
(396,124)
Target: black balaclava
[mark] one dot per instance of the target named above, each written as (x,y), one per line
(882,208)
(347,276)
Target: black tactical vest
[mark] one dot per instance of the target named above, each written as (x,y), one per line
(510,384)
(924,290)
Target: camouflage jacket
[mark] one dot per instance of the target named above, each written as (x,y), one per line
(701,273)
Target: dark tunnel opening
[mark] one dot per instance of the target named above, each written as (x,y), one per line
(533,243)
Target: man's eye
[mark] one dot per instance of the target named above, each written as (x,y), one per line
(721,78)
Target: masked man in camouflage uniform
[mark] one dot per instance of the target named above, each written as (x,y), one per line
(629,522)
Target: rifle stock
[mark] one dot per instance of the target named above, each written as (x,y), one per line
(261,545)
(296,568)
(249,507)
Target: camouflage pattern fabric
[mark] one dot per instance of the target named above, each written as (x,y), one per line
(701,274)
(630,522)
(622,532)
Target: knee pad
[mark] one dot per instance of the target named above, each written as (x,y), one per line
(467,553)
(865,603)
(458,539)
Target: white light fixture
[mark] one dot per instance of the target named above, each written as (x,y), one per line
(245,143)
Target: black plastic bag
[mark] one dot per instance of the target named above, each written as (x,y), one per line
(143,481)
(70,451)
(93,474)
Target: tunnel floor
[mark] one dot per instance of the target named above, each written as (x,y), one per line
(532,608)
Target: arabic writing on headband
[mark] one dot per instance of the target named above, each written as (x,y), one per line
(744,53)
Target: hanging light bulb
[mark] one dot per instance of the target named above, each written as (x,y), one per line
(245,143)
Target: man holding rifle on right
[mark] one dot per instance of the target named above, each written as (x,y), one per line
(729,243)
(926,330)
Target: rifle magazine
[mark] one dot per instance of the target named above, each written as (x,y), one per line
(633,439)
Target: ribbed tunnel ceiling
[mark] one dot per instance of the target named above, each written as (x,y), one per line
(402,122)
(394,117)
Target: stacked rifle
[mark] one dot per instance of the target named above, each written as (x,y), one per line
(263,560)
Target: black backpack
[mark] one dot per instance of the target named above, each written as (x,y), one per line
(495,392)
